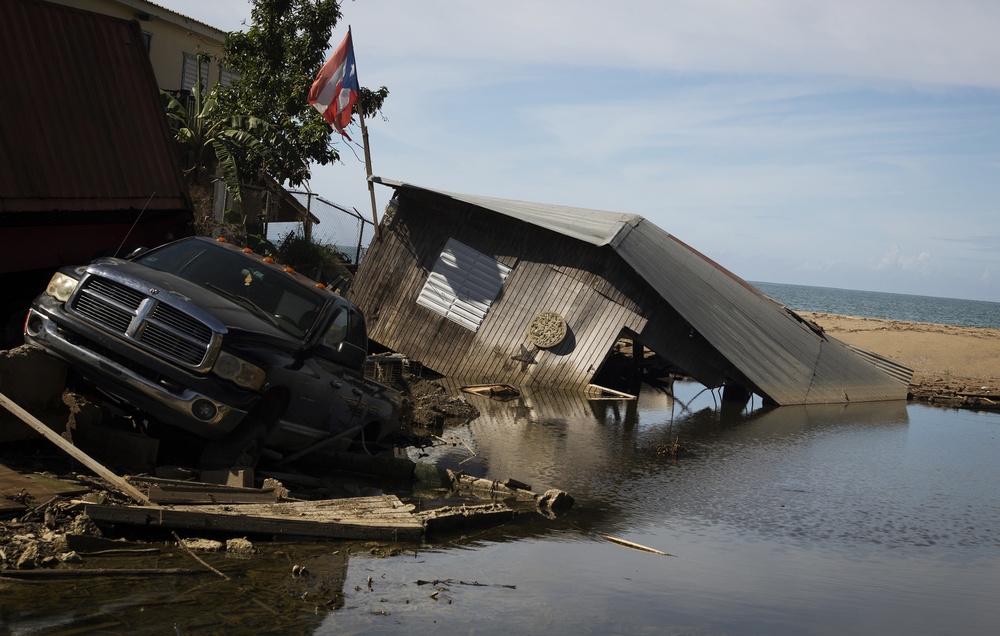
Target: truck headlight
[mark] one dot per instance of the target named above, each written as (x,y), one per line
(61,286)
(239,371)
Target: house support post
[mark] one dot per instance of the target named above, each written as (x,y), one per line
(638,358)
(735,394)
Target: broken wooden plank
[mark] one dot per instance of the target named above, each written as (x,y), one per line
(452,518)
(597,392)
(178,491)
(633,546)
(183,546)
(487,488)
(117,482)
(382,518)
(165,494)
(500,392)
(85,544)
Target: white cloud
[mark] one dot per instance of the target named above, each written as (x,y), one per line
(908,40)
(822,266)
(894,259)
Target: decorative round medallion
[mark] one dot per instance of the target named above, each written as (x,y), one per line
(547,329)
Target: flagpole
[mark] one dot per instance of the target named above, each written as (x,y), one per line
(368,169)
(335,94)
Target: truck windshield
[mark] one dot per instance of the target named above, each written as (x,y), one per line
(269,292)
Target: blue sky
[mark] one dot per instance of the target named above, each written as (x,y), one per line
(851,144)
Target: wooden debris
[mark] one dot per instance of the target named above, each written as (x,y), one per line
(452,518)
(380,518)
(117,482)
(86,544)
(633,546)
(597,392)
(493,490)
(197,558)
(501,392)
(469,583)
(172,491)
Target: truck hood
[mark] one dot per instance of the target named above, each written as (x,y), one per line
(215,310)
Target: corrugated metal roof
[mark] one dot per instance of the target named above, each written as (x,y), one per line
(591,226)
(777,353)
(83,126)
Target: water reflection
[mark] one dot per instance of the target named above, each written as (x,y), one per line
(737,466)
(266,592)
(857,518)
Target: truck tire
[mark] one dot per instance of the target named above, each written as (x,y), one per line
(240,448)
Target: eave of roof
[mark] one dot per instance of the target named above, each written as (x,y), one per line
(596,227)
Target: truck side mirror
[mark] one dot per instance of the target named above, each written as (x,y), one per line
(344,354)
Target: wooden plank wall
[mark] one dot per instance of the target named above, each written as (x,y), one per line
(591,287)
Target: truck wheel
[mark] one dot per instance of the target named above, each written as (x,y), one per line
(241,448)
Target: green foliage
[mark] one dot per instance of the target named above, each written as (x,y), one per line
(277,58)
(235,144)
(370,102)
(263,121)
(310,257)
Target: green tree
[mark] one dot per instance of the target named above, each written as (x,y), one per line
(212,141)
(277,58)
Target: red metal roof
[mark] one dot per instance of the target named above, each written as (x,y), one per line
(82,128)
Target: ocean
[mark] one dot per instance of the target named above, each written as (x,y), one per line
(942,311)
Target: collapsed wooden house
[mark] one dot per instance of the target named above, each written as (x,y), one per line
(491,290)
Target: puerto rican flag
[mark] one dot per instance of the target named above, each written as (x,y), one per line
(336,87)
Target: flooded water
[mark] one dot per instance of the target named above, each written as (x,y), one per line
(861,519)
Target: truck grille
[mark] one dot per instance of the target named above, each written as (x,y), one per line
(136,316)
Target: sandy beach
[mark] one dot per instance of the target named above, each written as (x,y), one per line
(959,366)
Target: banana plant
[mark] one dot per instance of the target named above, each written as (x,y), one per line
(211,141)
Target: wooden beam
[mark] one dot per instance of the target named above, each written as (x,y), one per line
(117,482)
(169,494)
(381,518)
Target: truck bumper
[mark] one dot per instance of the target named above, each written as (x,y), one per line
(165,401)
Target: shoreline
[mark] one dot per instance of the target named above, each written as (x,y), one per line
(952,365)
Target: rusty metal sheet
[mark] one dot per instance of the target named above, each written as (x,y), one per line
(83,126)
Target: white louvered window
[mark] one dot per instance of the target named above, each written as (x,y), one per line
(228,76)
(463,285)
(189,73)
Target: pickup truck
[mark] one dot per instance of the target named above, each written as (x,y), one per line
(228,345)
